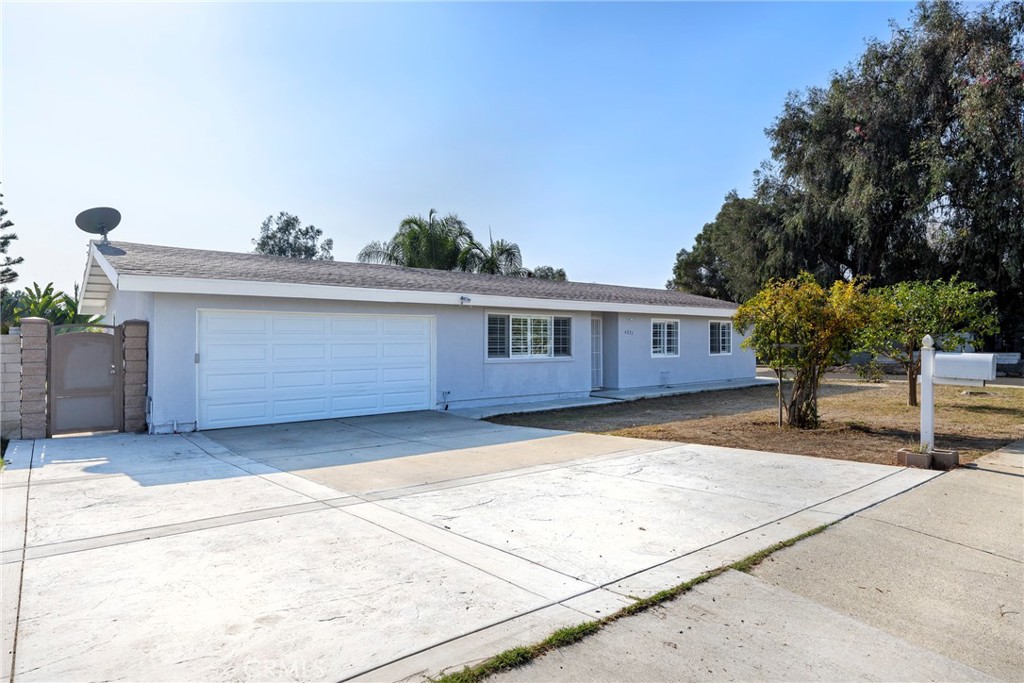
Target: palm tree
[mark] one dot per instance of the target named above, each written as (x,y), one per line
(52,304)
(501,258)
(430,242)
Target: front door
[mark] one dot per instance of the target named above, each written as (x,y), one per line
(596,355)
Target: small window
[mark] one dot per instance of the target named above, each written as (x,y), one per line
(664,337)
(562,337)
(497,336)
(529,336)
(721,339)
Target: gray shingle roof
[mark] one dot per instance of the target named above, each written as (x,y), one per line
(128,258)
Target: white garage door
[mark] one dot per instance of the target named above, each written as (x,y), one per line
(262,368)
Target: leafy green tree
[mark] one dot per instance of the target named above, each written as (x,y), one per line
(699,270)
(422,242)
(730,258)
(799,324)
(976,152)
(548,273)
(284,235)
(9,303)
(7,272)
(500,258)
(907,165)
(952,312)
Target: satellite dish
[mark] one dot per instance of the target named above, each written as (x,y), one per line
(98,221)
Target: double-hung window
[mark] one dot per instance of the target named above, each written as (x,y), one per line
(721,339)
(664,337)
(529,336)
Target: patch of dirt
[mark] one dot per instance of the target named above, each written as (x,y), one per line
(861,422)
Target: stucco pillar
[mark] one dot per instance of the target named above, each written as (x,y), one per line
(35,340)
(136,373)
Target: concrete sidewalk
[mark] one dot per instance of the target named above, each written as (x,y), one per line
(928,585)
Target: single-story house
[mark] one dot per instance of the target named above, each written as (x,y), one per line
(245,339)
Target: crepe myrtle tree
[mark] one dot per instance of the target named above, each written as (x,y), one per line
(799,324)
(952,312)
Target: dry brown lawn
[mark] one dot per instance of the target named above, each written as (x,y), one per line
(864,422)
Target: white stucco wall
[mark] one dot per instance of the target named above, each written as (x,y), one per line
(123,306)
(628,337)
(461,369)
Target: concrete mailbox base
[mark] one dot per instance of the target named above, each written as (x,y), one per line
(935,459)
(908,457)
(945,460)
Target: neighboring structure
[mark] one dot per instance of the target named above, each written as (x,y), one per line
(244,339)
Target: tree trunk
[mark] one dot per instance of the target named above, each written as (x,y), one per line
(911,385)
(803,401)
(912,370)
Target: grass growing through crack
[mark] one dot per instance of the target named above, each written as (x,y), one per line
(748,563)
(520,656)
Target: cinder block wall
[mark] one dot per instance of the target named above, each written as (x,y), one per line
(10,386)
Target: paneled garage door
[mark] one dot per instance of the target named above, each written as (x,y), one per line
(263,368)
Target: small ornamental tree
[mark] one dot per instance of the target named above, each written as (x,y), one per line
(951,312)
(800,325)
(284,235)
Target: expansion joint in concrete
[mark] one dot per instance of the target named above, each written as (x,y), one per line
(940,538)
(21,571)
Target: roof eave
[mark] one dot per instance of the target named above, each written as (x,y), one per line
(184,285)
(99,279)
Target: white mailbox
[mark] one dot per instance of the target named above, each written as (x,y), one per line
(965,369)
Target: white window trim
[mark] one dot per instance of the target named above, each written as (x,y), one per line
(650,341)
(719,322)
(551,337)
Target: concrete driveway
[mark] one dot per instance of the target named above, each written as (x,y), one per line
(376,548)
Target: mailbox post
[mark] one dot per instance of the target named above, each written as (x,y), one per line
(927,394)
(964,369)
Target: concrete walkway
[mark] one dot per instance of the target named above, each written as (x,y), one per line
(604,396)
(925,586)
(370,548)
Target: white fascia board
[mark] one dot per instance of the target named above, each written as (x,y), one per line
(104,264)
(89,283)
(175,285)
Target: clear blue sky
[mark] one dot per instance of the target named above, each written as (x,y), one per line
(600,137)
